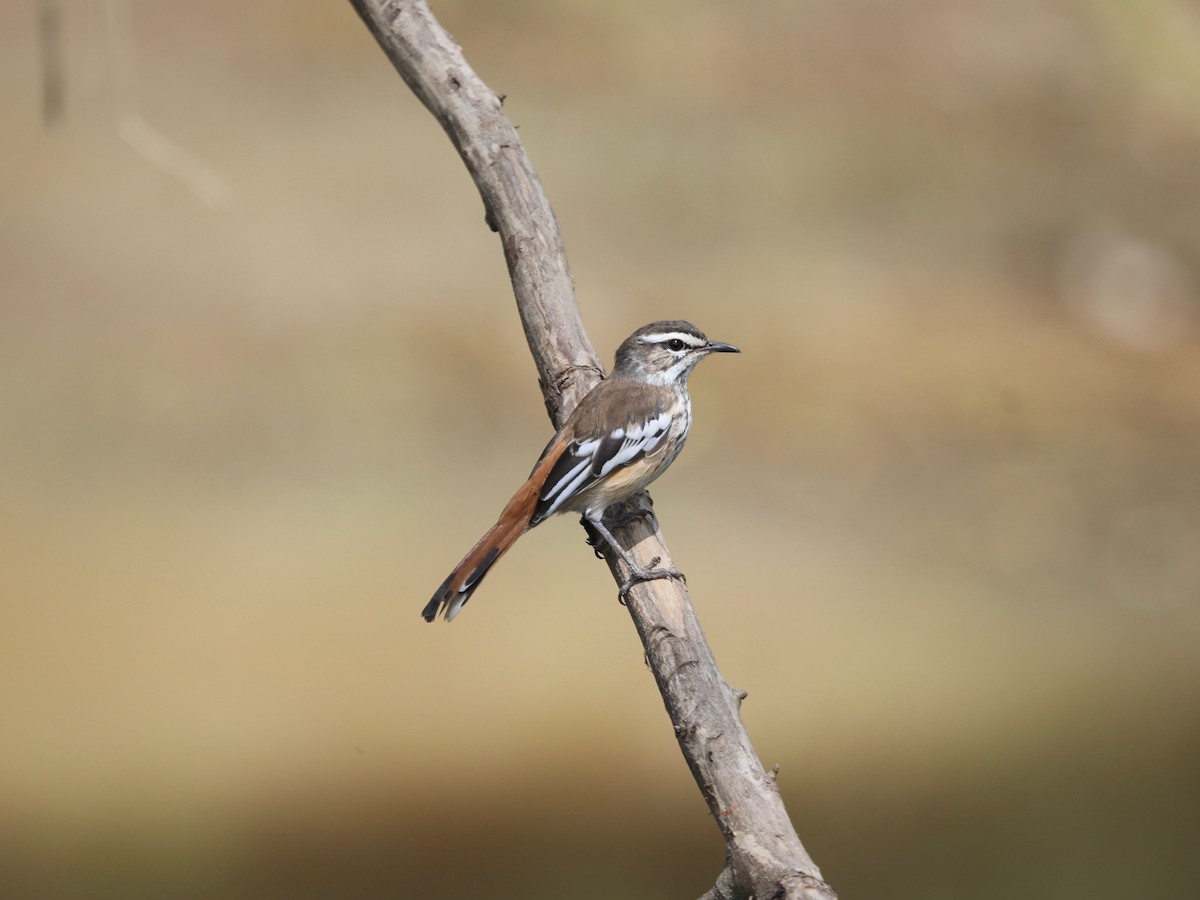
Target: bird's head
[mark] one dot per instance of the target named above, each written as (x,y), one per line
(665,352)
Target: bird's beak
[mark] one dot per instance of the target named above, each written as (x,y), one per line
(718,347)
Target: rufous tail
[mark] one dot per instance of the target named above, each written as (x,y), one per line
(460,584)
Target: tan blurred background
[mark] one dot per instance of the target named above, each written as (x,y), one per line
(262,384)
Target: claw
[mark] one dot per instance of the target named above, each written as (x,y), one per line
(649,573)
(592,539)
(637,573)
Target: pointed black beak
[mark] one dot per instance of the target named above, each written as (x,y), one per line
(718,347)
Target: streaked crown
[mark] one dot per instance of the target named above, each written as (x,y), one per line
(665,352)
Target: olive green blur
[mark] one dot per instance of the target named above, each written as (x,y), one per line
(262,383)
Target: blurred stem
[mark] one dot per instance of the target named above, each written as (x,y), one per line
(765,857)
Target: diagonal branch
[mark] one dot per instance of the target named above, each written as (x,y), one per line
(516,206)
(765,857)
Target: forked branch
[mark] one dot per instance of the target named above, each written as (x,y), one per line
(765,858)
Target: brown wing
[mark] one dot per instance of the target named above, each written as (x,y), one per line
(599,448)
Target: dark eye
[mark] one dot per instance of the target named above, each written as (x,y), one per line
(675,344)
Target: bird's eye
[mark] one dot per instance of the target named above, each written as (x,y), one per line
(675,344)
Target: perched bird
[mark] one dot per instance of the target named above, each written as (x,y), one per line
(620,437)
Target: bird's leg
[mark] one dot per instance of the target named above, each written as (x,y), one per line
(637,572)
(593,536)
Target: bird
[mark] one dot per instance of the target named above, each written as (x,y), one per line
(624,433)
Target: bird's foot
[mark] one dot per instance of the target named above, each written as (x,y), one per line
(639,574)
(594,538)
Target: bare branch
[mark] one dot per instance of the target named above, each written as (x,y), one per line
(432,64)
(765,857)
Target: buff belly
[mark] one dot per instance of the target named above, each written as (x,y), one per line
(623,484)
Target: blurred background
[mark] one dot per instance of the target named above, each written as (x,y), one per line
(262,384)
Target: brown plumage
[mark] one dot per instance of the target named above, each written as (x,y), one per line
(621,436)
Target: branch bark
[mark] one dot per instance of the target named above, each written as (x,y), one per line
(765,858)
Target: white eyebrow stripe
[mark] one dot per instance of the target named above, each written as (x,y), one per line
(690,339)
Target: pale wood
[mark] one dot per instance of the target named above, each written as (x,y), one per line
(515,205)
(765,858)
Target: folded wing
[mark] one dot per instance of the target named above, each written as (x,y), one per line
(586,460)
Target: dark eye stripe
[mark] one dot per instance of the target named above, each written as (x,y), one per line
(676,340)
